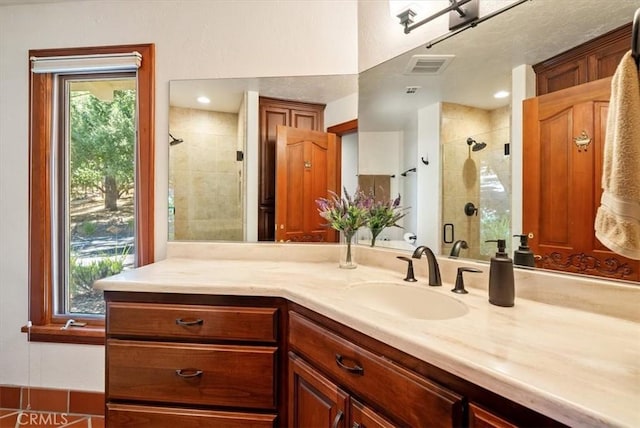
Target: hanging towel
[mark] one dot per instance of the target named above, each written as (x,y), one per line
(617,223)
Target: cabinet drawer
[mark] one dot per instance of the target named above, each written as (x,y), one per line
(122,415)
(412,399)
(223,375)
(191,321)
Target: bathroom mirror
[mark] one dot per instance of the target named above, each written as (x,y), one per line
(484,59)
(213,148)
(401,101)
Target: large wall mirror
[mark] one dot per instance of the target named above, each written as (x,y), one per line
(437,103)
(448,125)
(214,147)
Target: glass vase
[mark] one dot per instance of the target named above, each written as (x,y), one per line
(347,253)
(374,235)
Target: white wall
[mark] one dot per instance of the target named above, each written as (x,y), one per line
(194,39)
(429,200)
(341,110)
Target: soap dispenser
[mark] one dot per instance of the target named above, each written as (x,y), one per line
(523,256)
(501,282)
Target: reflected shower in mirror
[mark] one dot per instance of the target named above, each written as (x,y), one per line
(215,148)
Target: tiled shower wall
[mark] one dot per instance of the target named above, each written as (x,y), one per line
(483,177)
(205,177)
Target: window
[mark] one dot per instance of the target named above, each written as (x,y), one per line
(91,183)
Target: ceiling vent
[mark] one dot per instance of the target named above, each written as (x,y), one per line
(428,65)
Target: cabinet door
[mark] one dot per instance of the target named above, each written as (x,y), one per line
(480,418)
(274,112)
(571,73)
(362,416)
(314,401)
(561,181)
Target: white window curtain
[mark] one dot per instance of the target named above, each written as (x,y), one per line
(87,63)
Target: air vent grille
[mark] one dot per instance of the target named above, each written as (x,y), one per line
(428,64)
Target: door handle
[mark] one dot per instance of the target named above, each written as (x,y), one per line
(337,419)
(355,369)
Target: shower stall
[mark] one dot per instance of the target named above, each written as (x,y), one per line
(476,179)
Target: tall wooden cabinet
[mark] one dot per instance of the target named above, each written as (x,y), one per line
(274,112)
(593,60)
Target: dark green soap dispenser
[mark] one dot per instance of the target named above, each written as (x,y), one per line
(501,282)
(523,256)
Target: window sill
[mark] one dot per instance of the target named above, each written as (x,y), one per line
(88,335)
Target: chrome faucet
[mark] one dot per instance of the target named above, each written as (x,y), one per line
(434,269)
(457,246)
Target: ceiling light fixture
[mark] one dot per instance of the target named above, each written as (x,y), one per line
(203,100)
(458,15)
(501,94)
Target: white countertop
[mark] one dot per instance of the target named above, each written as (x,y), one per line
(578,367)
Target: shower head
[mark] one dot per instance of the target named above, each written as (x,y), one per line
(174,141)
(476,146)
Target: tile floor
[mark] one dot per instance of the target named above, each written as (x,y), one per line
(50,408)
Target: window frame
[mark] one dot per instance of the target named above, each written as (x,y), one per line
(45,322)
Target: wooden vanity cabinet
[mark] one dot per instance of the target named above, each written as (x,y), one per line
(186,360)
(334,369)
(406,398)
(315,401)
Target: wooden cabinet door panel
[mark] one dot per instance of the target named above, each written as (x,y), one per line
(270,119)
(563,76)
(481,418)
(220,375)
(314,401)
(307,168)
(125,416)
(562,182)
(192,322)
(274,112)
(362,416)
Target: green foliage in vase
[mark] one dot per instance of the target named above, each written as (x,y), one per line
(383,214)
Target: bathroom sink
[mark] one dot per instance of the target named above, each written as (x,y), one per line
(408,301)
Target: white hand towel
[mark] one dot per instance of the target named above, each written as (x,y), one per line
(617,223)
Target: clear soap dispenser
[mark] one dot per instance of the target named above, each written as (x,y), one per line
(501,281)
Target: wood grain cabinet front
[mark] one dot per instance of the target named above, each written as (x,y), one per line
(406,397)
(192,322)
(126,416)
(217,375)
(172,362)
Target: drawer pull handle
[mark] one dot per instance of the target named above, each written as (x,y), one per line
(187,373)
(198,321)
(337,419)
(356,369)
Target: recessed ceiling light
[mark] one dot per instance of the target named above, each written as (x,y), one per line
(204,100)
(501,94)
